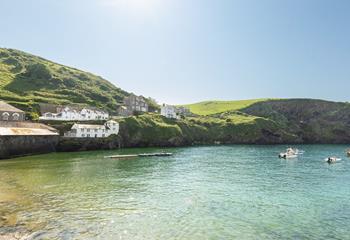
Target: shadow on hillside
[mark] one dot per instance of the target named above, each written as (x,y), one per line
(22,84)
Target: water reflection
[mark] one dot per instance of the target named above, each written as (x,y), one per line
(220,192)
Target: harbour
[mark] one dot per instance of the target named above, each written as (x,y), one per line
(209,192)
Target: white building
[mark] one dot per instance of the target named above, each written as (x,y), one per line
(74,114)
(169,111)
(93,131)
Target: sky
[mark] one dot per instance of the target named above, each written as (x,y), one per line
(185,51)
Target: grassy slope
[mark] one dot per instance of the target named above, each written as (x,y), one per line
(155,130)
(214,107)
(257,121)
(26,80)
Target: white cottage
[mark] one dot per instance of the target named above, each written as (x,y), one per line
(93,131)
(169,111)
(74,114)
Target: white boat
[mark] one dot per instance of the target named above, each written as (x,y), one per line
(290,153)
(332,159)
(287,155)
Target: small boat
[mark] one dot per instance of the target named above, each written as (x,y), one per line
(348,152)
(287,155)
(290,153)
(332,159)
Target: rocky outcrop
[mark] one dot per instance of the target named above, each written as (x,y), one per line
(87,144)
(314,121)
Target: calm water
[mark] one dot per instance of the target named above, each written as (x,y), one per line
(224,192)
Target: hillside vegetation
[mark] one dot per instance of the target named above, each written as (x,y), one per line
(264,122)
(26,80)
(214,107)
(152,130)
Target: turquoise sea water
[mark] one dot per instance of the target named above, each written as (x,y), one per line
(221,192)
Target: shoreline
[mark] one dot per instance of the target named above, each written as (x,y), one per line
(82,149)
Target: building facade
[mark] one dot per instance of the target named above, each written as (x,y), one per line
(93,131)
(68,113)
(10,113)
(136,103)
(170,111)
(124,111)
(183,111)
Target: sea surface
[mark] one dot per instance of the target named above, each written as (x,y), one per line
(218,192)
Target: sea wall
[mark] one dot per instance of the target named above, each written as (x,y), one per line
(13,146)
(88,144)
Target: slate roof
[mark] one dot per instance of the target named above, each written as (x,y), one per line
(88,126)
(5,107)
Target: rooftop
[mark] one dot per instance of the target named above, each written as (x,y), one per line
(89,126)
(8,108)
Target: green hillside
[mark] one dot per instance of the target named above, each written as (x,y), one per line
(26,80)
(214,107)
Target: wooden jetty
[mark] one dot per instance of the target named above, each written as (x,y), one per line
(141,155)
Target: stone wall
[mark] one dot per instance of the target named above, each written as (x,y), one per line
(88,144)
(12,146)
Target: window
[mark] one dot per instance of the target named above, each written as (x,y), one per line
(88,130)
(83,135)
(95,130)
(88,135)
(5,116)
(15,117)
(82,130)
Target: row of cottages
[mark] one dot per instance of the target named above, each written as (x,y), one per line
(10,113)
(93,131)
(70,113)
(170,111)
(132,104)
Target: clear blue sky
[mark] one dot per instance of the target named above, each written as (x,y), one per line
(183,51)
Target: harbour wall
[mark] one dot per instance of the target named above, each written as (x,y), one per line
(14,146)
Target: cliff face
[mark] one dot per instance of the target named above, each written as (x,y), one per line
(313,121)
(152,130)
(265,122)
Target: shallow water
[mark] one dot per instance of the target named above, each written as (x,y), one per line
(221,192)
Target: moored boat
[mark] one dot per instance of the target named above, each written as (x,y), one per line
(290,153)
(287,155)
(332,159)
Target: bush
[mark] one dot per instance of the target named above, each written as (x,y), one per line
(38,71)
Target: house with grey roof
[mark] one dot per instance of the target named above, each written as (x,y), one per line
(133,104)
(10,113)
